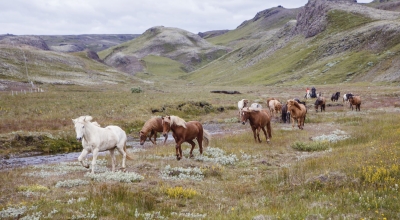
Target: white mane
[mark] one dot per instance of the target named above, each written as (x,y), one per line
(178,121)
(82,119)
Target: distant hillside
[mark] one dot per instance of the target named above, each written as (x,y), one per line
(68,43)
(209,34)
(26,63)
(389,5)
(329,42)
(93,42)
(323,42)
(176,44)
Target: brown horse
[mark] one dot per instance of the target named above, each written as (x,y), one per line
(185,132)
(297,112)
(150,128)
(320,102)
(355,100)
(259,119)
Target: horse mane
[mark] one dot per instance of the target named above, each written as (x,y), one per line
(177,121)
(296,104)
(96,124)
(82,119)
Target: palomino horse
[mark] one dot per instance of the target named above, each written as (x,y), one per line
(96,139)
(185,132)
(275,107)
(320,102)
(241,104)
(297,112)
(259,119)
(153,125)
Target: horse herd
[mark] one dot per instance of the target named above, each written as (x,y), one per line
(96,139)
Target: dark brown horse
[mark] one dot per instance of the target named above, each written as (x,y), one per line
(150,129)
(320,102)
(259,119)
(185,132)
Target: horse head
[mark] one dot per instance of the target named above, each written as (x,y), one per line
(245,115)
(142,137)
(166,123)
(79,124)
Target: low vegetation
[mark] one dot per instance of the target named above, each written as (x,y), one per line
(344,164)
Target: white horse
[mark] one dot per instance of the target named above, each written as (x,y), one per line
(256,105)
(241,104)
(96,139)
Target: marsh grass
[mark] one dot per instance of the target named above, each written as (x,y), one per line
(356,178)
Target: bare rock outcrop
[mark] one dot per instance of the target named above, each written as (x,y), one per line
(32,41)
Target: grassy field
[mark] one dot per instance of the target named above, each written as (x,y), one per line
(343,165)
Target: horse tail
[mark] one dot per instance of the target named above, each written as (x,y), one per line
(206,137)
(128,156)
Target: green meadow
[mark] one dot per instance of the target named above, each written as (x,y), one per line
(343,165)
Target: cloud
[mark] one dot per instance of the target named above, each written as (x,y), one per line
(63,17)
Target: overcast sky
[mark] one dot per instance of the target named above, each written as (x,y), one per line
(72,17)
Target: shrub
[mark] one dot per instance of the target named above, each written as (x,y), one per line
(136,90)
(179,192)
(313,146)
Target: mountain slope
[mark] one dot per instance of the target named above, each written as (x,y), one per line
(331,42)
(176,44)
(28,63)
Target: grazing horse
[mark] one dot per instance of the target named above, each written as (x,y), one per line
(354,100)
(241,104)
(274,106)
(150,128)
(96,139)
(297,112)
(285,114)
(320,102)
(185,132)
(335,97)
(259,119)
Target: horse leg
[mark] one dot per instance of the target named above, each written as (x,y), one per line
(265,133)
(151,135)
(258,134)
(95,154)
(191,142)
(123,153)
(269,131)
(165,140)
(254,134)
(83,155)
(112,159)
(178,150)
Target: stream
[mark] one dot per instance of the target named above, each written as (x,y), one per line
(39,158)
